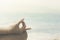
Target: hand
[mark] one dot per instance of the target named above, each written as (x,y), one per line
(22,20)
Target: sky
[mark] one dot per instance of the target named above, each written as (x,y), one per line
(43,16)
(29,6)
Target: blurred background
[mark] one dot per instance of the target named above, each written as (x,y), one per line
(43,16)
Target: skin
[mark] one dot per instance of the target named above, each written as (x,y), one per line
(16,30)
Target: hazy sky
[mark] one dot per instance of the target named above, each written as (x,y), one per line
(30,6)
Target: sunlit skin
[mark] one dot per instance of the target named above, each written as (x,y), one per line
(21,32)
(16,28)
